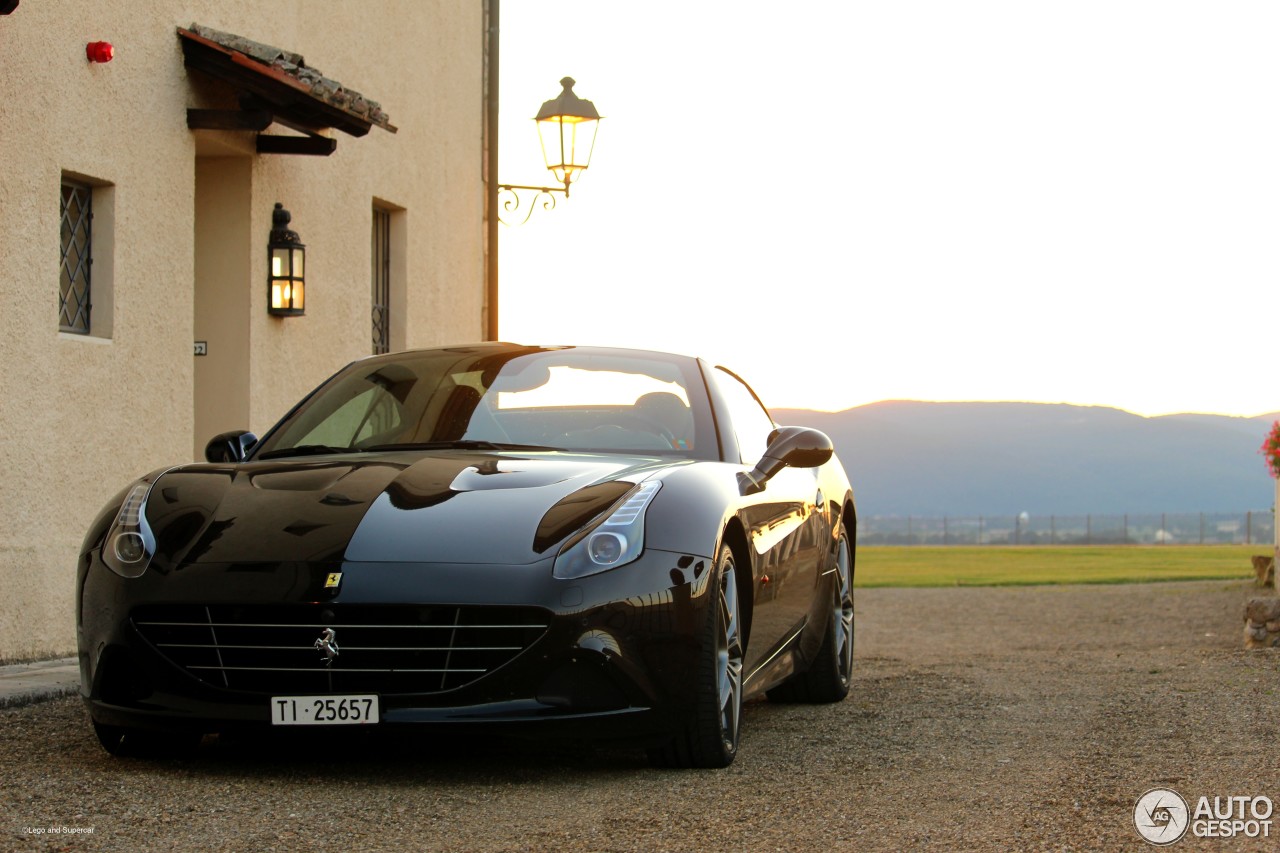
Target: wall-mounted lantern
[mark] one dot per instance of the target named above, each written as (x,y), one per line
(567,126)
(286,281)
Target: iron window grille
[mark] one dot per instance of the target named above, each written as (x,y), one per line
(74,292)
(381,278)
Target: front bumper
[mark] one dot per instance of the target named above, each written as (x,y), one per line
(616,658)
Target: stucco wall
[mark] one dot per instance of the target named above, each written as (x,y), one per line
(82,416)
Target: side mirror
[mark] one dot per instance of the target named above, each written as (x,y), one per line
(789,447)
(231,446)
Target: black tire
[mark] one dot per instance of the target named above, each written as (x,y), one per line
(828,678)
(142,743)
(710,737)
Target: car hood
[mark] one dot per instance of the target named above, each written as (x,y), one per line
(439,507)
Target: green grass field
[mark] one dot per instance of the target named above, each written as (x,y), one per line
(1013,566)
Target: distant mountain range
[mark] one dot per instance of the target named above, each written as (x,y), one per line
(916,458)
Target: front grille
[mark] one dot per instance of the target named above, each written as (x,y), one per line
(381,649)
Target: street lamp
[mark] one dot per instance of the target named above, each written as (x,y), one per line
(567,126)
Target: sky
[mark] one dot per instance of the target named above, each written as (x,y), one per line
(847,202)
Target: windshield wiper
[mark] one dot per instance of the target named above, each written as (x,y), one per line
(460,444)
(306,450)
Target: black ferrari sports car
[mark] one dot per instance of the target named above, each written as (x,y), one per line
(560,541)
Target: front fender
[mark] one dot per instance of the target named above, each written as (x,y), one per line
(690,513)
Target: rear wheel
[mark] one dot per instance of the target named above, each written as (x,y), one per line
(828,678)
(142,743)
(710,737)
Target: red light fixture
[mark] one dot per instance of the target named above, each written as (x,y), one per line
(100,51)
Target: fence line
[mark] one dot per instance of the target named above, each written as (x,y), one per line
(1252,527)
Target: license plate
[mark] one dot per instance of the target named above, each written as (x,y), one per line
(324,710)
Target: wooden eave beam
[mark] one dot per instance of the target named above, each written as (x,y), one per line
(320,146)
(228,119)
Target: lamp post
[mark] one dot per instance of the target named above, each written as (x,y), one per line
(567,126)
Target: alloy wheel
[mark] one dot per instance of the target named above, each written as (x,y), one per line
(729,656)
(843,615)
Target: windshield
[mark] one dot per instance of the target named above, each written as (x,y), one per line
(517,397)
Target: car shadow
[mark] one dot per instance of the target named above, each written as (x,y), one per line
(406,756)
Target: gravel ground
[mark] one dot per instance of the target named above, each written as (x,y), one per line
(1018,719)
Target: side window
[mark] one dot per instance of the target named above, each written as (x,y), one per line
(751,423)
(387,276)
(381,280)
(87,222)
(77,257)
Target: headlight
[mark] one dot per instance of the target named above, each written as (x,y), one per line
(615,540)
(130,545)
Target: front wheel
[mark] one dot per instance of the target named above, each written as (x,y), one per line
(710,736)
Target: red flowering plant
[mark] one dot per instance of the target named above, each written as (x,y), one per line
(1271,449)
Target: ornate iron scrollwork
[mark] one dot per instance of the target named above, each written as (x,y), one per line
(515,209)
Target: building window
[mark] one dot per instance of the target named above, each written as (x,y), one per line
(381,278)
(74,302)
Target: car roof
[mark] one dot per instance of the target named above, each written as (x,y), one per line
(508,346)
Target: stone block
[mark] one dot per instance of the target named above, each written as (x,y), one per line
(1264,569)
(1262,623)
